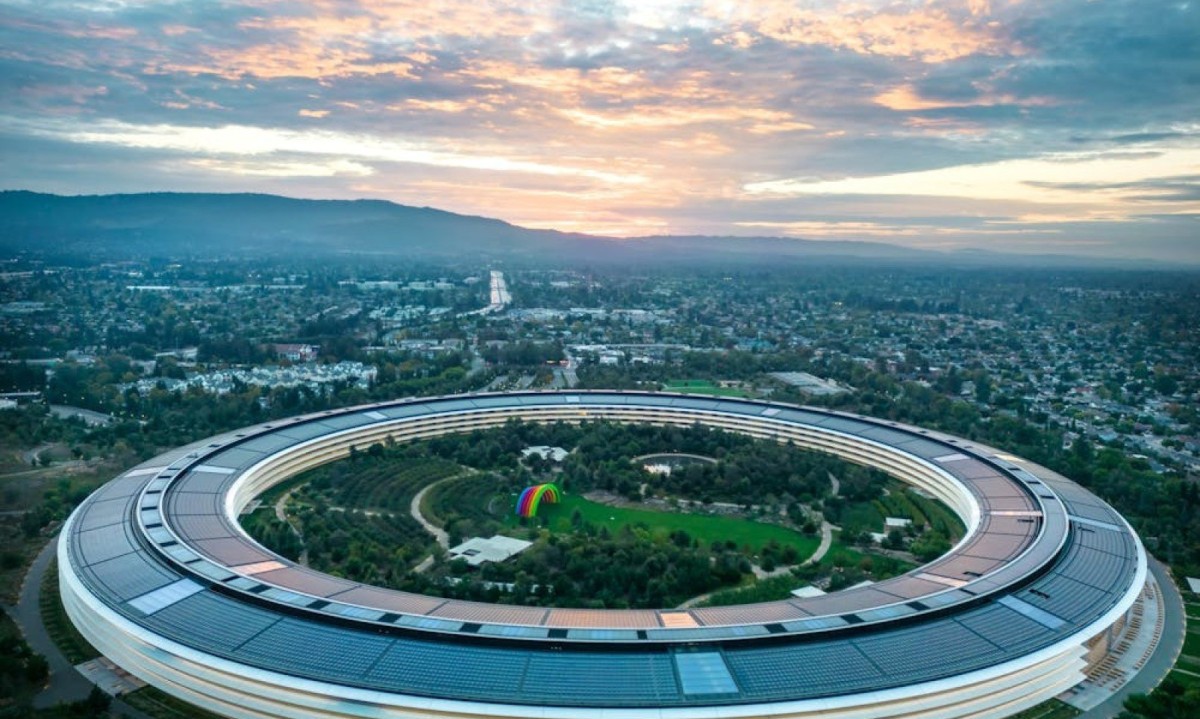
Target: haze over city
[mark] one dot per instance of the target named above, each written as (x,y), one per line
(1066,127)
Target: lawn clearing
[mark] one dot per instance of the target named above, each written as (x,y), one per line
(705,528)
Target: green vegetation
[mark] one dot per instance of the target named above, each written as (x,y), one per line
(1176,698)
(762,590)
(22,672)
(58,625)
(353,516)
(1191,664)
(1188,681)
(704,528)
(389,483)
(160,705)
(591,567)
(703,386)
(636,540)
(475,505)
(1051,709)
(1191,642)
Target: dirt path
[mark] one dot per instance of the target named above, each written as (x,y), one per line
(438,533)
(33,456)
(281,515)
(414,509)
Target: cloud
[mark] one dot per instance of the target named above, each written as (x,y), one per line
(930,120)
(240,140)
(1045,179)
(932,32)
(906,98)
(857,230)
(330,168)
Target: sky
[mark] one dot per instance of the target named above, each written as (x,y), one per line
(1036,126)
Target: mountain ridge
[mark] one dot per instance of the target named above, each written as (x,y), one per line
(190,224)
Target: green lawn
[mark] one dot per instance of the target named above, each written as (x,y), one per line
(1193,610)
(703,386)
(705,528)
(842,555)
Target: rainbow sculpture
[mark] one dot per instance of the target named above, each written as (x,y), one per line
(531,498)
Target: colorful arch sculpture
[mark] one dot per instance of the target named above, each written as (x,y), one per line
(532,497)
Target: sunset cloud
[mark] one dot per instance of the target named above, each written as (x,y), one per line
(991,123)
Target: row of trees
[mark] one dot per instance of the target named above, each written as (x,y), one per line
(591,567)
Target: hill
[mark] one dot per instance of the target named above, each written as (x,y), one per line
(201,225)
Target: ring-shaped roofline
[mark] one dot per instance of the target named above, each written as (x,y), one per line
(172,527)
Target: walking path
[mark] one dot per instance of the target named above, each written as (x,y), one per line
(1151,664)
(281,515)
(66,684)
(823,547)
(438,533)
(759,573)
(414,508)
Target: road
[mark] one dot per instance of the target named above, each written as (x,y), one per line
(569,374)
(1160,663)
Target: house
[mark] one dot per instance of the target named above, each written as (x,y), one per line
(296,352)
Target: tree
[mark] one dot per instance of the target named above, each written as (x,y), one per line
(1171,700)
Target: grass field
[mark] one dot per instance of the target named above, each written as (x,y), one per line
(703,386)
(705,528)
(1193,610)
(843,555)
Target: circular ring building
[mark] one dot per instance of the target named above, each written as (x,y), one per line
(156,573)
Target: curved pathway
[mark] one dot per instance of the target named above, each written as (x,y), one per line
(823,547)
(66,684)
(1165,653)
(818,555)
(281,515)
(685,455)
(414,508)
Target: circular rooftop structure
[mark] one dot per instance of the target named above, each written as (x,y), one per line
(156,572)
